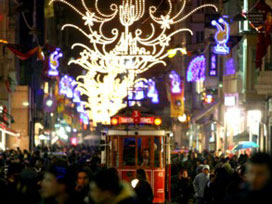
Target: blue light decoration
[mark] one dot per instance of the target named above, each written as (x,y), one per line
(76,98)
(213,65)
(66,86)
(175,82)
(54,62)
(221,37)
(230,67)
(196,69)
(142,90)
(152,91)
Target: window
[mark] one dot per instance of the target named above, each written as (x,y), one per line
(144,156)
(129,152)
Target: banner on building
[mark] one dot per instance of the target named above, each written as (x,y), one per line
(177,102)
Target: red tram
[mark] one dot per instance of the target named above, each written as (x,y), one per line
(135,140)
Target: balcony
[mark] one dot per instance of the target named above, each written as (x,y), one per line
(264,83)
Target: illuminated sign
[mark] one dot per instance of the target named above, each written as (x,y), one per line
(130,120)
(66,86)
(213,65)
(143,89)
(196,69)
(221,37)
(175,82)
(231,100)
(230,67)
(54,62)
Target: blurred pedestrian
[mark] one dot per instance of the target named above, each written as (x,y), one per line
(106,188)
(143,188)
(185,188)
(200,183)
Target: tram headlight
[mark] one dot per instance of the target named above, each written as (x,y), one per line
(114,121)
(157,121)
(134,183)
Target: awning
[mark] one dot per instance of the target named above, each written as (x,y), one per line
(9,131)
(201,114)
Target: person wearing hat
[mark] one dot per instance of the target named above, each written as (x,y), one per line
(200,183)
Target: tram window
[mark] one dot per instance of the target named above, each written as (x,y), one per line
(157,152)
(144,152)
(115,155)
(129,152)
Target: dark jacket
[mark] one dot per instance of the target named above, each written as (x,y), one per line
(185,190)
(144,192)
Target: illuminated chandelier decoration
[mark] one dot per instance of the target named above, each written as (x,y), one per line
(112,70)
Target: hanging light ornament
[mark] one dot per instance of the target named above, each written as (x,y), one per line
(110,71)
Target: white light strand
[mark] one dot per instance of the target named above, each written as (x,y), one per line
(112,70)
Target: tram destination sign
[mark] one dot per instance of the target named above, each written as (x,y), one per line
(131,120)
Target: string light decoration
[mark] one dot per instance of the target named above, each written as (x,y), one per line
(196,69)
(112,70)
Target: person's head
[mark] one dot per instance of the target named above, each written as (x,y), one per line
(259,171)
(206,169)
(140,174)
(83,178)
(54,182)
(146,153)
(185,174)
(212,177)
(104,186)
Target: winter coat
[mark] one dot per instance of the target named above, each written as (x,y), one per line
(144,192)
(200,183)
(185,190)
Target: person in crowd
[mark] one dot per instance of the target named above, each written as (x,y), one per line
(209,190)
(146,160)
(82,185)
(106,188)
(56,186)
(185,188)
(200,183)
(258,179)
(143,188)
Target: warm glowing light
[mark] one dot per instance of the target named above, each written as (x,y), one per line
(3,41)
(182,118)
(196,69)
(221,37)
(157,121)
(114,121)
(54,62)
(114,61)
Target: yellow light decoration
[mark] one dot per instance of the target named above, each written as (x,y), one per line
(111,71)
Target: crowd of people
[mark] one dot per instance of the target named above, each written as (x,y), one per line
(208,179)
(74,175)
